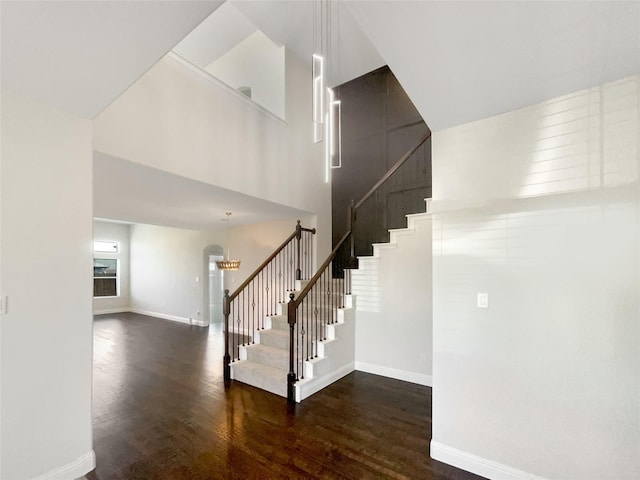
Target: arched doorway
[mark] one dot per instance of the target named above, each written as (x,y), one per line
(213,285)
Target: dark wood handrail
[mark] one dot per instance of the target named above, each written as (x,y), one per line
(299,229)
(253,317)
(393,169)
(320,271)
(352,210)
(294,303)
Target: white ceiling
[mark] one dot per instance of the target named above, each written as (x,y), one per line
(291,23)
(130,192)
(81,55)
(463,61)
(216,35)
(458,61)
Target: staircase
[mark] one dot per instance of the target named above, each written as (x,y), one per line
(394,291)
(365,280)
(326,354)
(329,353)
(297,347)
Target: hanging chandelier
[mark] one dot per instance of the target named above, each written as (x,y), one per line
(326,110)
(228,264)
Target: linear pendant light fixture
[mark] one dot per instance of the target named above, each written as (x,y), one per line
(335,131)
(317,71)
(227,264)
(326,110)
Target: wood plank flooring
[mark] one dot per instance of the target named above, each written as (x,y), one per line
(160,411)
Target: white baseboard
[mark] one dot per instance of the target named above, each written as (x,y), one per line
(413,377)
(173,318)
(75,469)
(306,388)
(104,311)
(478,465)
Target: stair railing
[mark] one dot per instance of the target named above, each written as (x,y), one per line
(353,263)
(309,315)
(311,311)
(259,295)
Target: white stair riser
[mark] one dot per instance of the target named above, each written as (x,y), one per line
(281,322)
(277,322)
(312,367)
(316,367)
(325,347)
(413,219)
(276,385)
(278,358)
(333,330)
(335,358)
(335,298)
(396,235)
(378,247)
(273,338)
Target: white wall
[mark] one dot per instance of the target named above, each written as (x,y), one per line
(394,321)
(117,232)
(304,172)
(258,63)
(178,120)
(540,208)
(46,350)
(166,261)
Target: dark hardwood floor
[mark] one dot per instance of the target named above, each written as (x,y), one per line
(160,411)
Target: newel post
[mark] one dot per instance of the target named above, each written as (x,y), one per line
(291,376)
(298,238)
(226,367)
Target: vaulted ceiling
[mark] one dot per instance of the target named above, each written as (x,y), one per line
(80,56)
(463,61)
(458,61)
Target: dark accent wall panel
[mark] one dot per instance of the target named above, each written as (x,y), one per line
(379,125)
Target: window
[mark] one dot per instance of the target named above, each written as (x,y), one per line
(105,277)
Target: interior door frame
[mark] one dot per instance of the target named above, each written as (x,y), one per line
(206,308)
